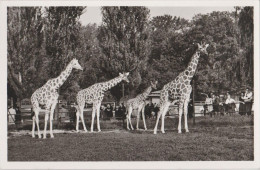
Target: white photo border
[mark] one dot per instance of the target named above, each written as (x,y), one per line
(5,164)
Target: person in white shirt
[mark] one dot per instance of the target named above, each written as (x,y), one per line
(230,104)
(11,115)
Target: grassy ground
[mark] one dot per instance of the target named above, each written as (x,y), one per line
(213,139)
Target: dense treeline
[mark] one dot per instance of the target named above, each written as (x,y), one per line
(41,42)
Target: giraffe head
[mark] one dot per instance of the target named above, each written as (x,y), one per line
(154,84)
(124,76)
(203,48)
(75,64)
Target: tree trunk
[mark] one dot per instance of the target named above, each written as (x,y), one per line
(123,89)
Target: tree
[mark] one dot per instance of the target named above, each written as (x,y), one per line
(90,52)
(219,30)
(62,43)
(123,38)
(163,30)
(24,39)
(168,48)
(246,25)
(174,43)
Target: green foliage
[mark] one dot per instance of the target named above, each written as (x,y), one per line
(42,41)
(219,30)
(174,42)
(246,26)
(90,52)
(62,36)
(24,39)
(123,38)
(167,47)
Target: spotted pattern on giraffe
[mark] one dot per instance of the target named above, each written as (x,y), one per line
(138,103)
(47,96)
(94,95)
(180,89)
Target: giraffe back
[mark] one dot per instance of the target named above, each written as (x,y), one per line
(91,94)
(136,102)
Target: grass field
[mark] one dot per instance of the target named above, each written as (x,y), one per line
(210,139)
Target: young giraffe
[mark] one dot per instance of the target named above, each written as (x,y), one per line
(94,95)
(179,90)
(47,96)
(138,103)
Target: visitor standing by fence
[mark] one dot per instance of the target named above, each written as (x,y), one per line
(216,102)
(230,104)
(242,106)
(72,112)
(11,115)
(122,111)
(156,110)
(248,101)
(109,111)
(148,109)
(18,116)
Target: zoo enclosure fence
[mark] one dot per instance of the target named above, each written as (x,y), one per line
(66,116)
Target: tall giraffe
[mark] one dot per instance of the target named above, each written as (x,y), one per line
(179,90)
(138,103)
(94,95)
(47,95)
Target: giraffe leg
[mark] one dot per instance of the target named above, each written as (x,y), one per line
(185,111)
(82,118)
(98,115)
(180,114)
(129,116)
(51,118)
(163,115)
(37,123)
(33,126)
(127,119)
(157,121)
(77,121)
(93,117)
(45,125)
(145,128)
(138,118)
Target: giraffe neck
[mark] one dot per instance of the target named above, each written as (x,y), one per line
(111,83)
(192,66)
(63,76)
(146,92)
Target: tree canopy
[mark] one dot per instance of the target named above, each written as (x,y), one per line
(43,40)
(123,38)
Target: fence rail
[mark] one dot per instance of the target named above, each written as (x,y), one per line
(66,115)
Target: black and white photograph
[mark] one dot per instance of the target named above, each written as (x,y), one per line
(130,85)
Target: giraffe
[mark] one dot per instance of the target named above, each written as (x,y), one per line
(47,95)
(94,95)
(138,103)
(179,90)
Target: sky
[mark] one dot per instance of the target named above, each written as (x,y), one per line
(93,14)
